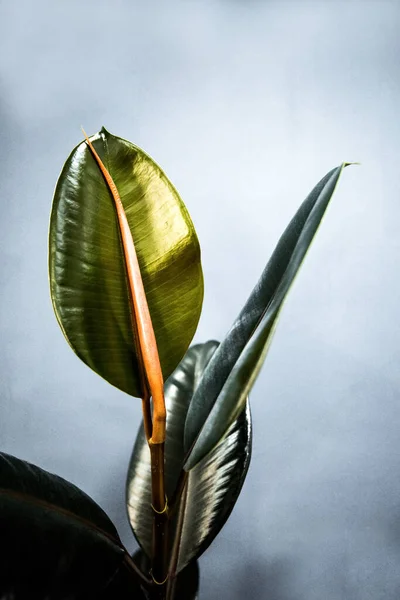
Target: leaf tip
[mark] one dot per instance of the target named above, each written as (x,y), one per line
(348,164)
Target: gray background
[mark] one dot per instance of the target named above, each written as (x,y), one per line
(245,105)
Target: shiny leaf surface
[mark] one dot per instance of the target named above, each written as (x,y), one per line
(57,543)
(212,487)
(86,262)
(230,374)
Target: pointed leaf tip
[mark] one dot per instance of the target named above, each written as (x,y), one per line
(348,164)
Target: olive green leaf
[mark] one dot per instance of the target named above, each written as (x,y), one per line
(211,489)
(221,394)
(88,279)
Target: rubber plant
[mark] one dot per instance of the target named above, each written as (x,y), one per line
(127,289)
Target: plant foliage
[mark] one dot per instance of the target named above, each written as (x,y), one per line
(180,488)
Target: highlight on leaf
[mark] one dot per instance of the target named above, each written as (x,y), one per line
(87,262)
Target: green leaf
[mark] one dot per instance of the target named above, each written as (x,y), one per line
(57,543)
(225,385)
(87,267)
(212,487)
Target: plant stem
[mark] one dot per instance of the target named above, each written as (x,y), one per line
(160,520)
(171,583)
(146,410)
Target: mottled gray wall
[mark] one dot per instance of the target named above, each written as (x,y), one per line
(245,105)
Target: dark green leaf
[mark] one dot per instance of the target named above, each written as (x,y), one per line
(212,487)
(222,392)
(87,269)
(57,543)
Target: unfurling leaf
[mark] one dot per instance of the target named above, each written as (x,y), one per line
(230,374)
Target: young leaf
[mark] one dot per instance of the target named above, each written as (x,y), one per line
(212,488)
(56,541)
(88,277)
(224,387)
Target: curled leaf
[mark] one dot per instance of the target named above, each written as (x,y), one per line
(221,394)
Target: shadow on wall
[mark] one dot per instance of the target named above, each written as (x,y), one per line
(266,580)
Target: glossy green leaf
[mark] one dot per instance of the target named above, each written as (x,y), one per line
(225,385)
(87,269)
(213,486)
(56,542)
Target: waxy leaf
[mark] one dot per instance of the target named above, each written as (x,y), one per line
(57,543)
(88,278)
(221,394)
(212,488)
